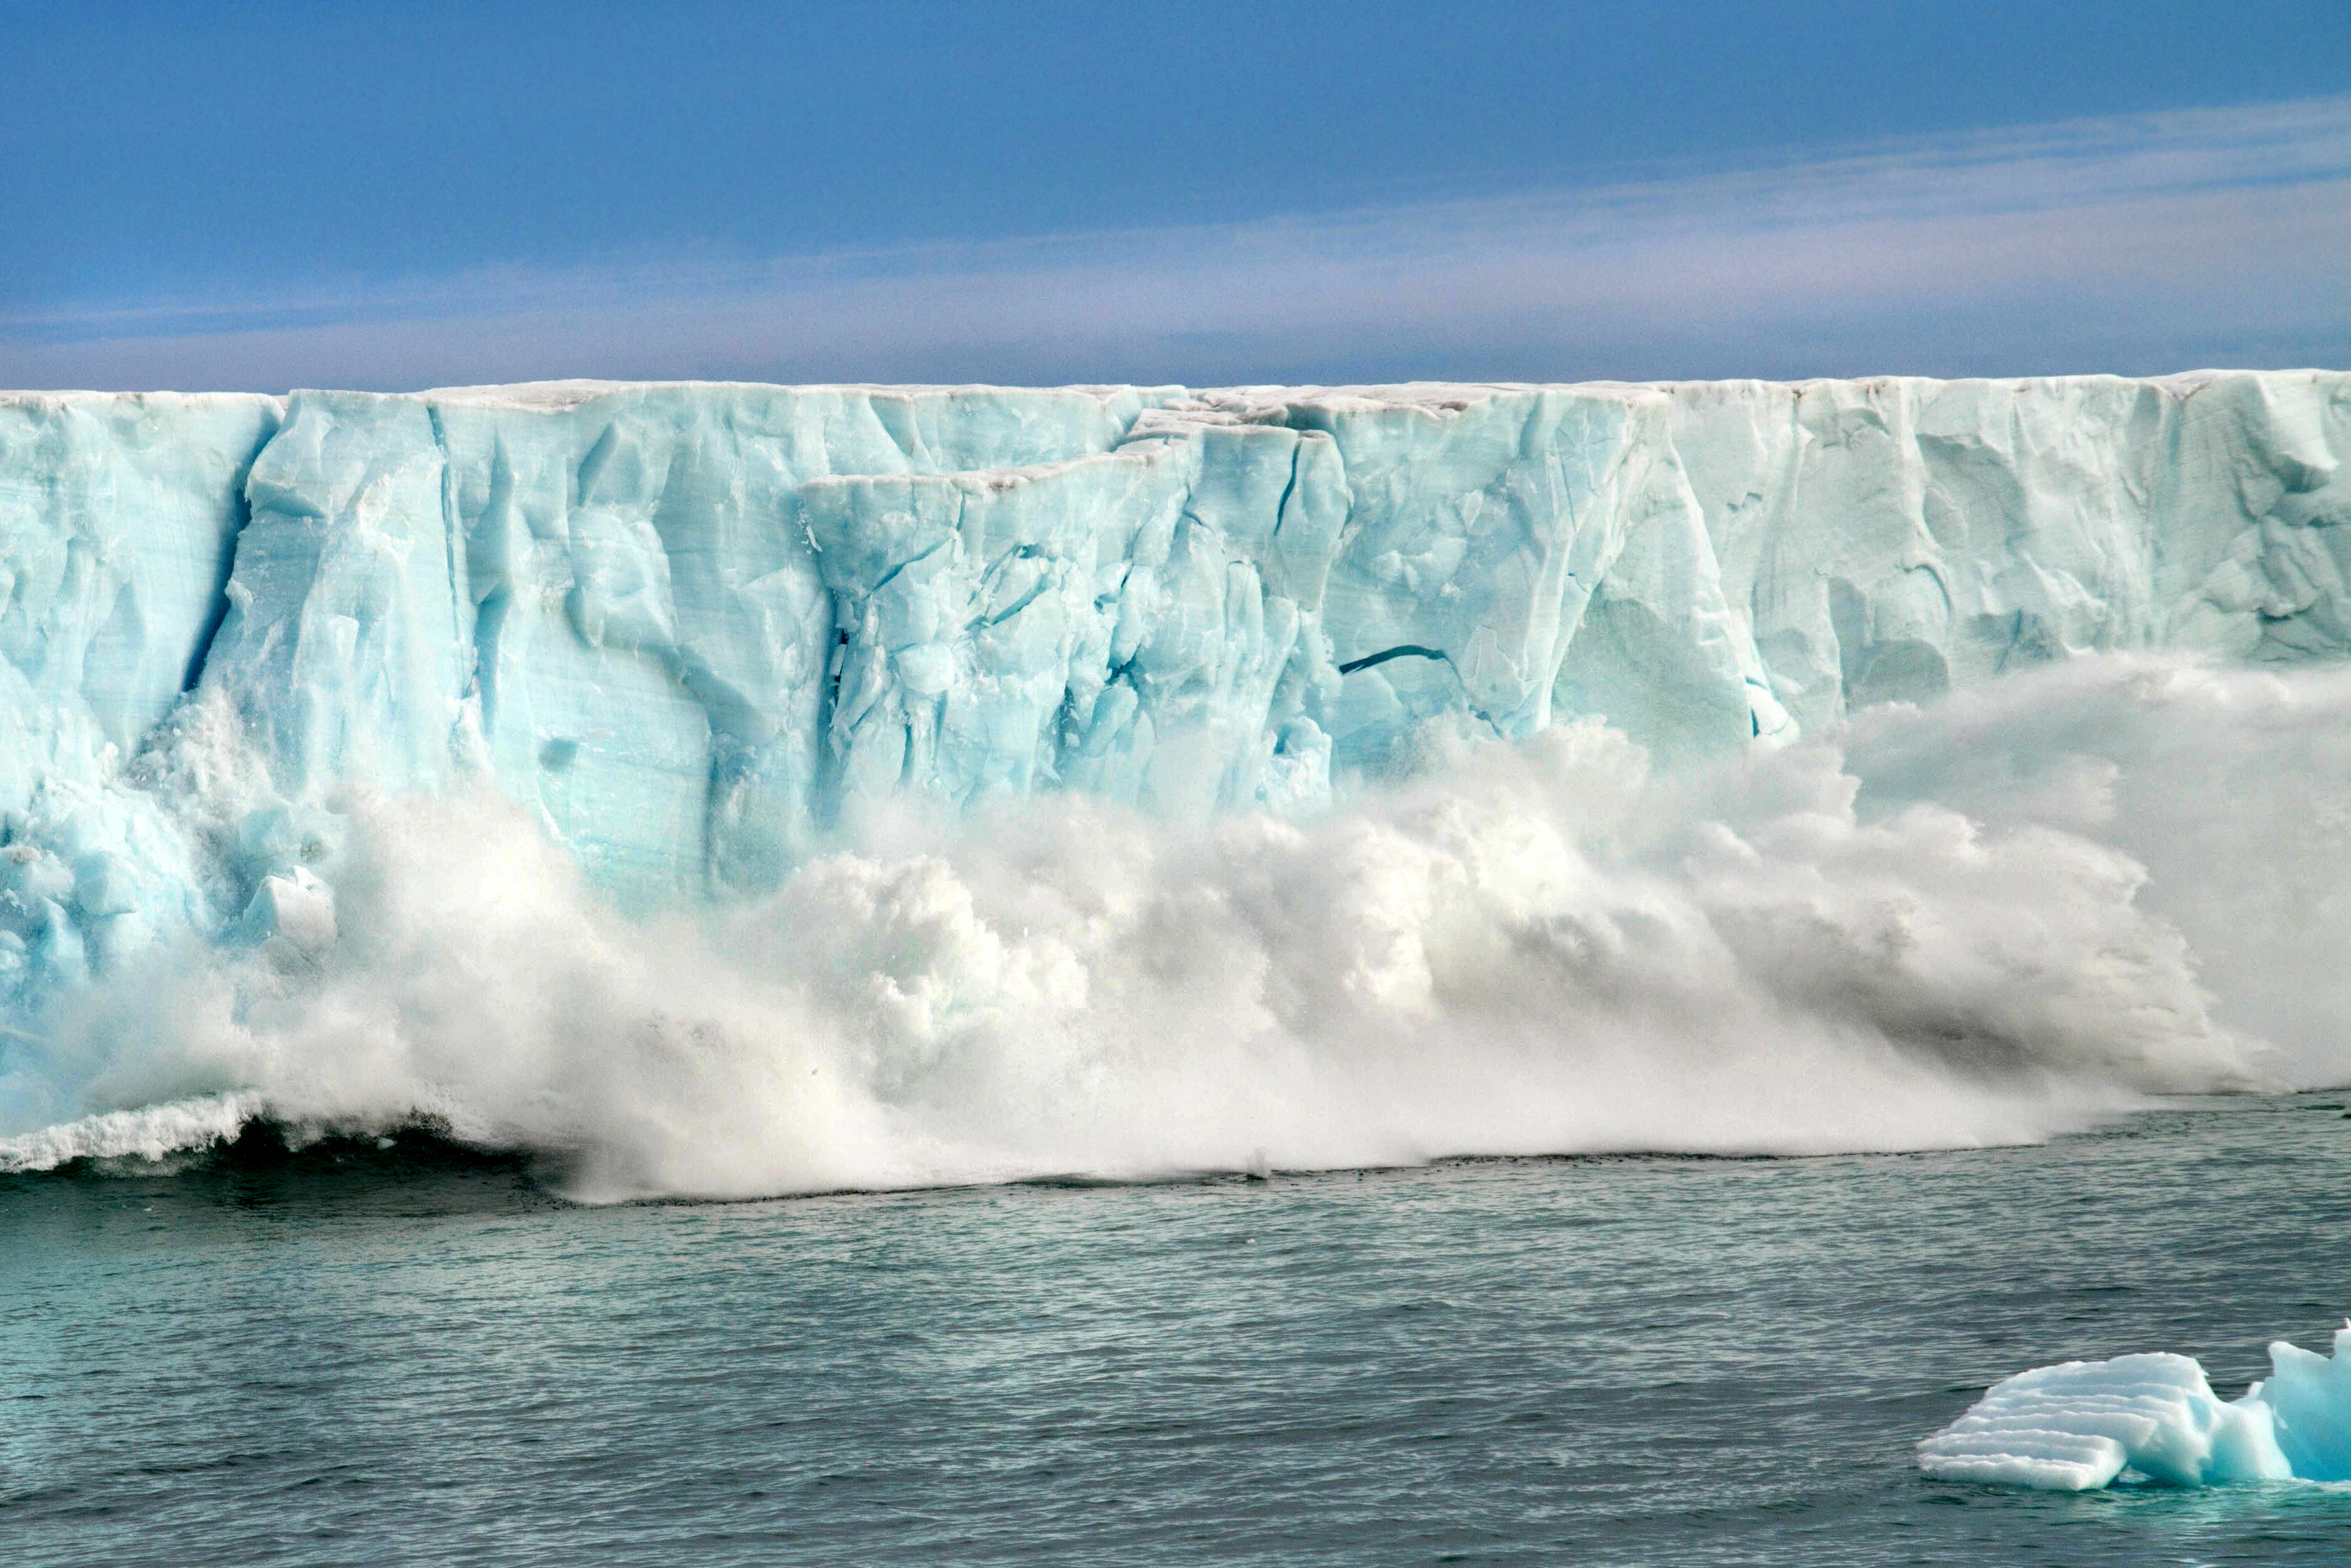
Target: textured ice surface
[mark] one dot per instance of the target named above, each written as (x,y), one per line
(118,516)
(1890,540)
(2086,1423)
(698,630)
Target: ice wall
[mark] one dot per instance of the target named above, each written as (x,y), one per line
(119,516)
(696,629)
(117,519)
(1890,540)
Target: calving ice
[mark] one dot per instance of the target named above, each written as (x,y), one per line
(770,787)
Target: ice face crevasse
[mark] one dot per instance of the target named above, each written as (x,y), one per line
(696,629)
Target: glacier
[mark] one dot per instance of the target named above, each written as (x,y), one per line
(2085,1425)
(704,637)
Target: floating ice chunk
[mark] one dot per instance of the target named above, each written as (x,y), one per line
(2310,1395)
(2080,1425)
(2086,1423)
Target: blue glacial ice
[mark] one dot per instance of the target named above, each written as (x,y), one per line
(705,636)
(2154,1418)
(696,628)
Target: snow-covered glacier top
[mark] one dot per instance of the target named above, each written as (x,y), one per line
(695,629)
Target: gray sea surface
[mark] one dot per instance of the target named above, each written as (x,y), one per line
(411,1355)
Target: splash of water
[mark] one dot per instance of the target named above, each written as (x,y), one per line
(1986,921)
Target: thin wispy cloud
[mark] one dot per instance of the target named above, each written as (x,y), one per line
(2134,244)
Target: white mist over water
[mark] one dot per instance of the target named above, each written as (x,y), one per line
(1991,920)
(2233,789)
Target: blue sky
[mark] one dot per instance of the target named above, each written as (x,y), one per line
(264,196)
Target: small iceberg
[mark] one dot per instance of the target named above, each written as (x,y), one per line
(2154,1418)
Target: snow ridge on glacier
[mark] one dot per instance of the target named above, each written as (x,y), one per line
(698,630)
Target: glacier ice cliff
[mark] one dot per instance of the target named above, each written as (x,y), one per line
(702,633)
(2086,1423)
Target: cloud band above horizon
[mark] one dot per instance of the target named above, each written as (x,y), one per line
(2134,244)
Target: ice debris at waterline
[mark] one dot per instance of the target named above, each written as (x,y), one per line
(2154,1418)
(1005,780)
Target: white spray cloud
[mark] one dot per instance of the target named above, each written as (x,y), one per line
(2232,787)
(1537,948)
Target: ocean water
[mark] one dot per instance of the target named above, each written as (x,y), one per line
(363,1354)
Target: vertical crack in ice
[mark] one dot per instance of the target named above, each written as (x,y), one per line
(216,609)
(1289,488)
(453,546)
